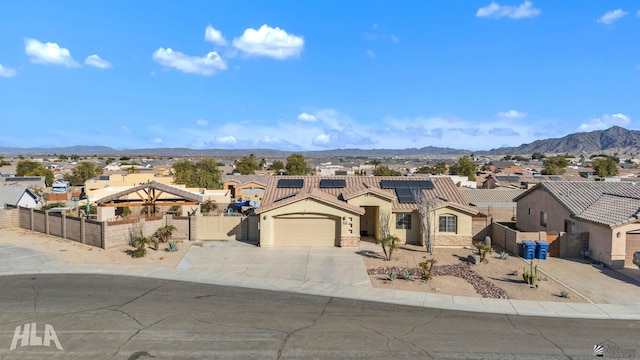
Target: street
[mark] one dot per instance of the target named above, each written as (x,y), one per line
(111,317)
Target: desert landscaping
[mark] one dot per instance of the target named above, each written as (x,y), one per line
(560,280)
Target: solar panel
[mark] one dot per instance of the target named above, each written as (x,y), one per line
(508,178)
(332,183)
(286,196)
(290,183)
(554,178)
(398,184)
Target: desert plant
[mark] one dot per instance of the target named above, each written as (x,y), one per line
(564,294)
(164,233)
(172,246)
(425,269)
(407,275)
(156,242)
(176,210)
(139,252)
(483,250)
(388,243)
(530,276)
(208,206)
(392,275)
(504,255)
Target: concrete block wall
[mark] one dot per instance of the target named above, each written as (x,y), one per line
(39,221)
(94,233)
(182,226)
(9,218)
(56,225)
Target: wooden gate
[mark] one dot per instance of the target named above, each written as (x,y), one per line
(554,245)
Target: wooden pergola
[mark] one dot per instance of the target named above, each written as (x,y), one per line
(150,195)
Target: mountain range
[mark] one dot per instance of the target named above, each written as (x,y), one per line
(613,140)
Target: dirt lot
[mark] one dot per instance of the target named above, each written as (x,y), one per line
(77,253)
(582,281)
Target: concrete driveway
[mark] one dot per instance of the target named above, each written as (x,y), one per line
(327,265)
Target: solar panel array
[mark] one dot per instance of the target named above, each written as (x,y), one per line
(290,183)
(404,188)
(333,183)
(555,178)
(508,178)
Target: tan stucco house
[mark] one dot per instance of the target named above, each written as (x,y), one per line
(602,215)
(340,210)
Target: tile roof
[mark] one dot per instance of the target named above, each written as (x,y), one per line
(497,195)
(11,194)
(608,203)
(444,191)
(245,179)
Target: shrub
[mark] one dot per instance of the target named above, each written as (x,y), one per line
(483,250)
(407,275)
(425,269)
(172,246)
(504,255)
(392,275)
(564,294)
(139,252)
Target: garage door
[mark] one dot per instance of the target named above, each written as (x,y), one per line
(306,231)
(633,245)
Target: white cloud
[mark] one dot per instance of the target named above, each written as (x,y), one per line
(606,121)
(202,122)
(226,140)
(7,72)
(95,61)
(270,42)
(512,114)
(214,36)
(157,141)
(307,117)
(370,53)
(207,65)
(612,16)
(496,11)
(322,140)
(48,53)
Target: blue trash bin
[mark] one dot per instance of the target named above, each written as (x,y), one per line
(542,248)
(528,249)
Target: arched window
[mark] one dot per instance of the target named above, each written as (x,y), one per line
(448,223)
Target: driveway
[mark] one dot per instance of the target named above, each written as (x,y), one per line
(327,265)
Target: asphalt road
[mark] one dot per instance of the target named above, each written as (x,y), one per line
(110,317)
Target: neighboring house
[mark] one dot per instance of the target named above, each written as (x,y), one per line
(496,204)
(506,181)
(338,211)
(602,217)
(29,181)
(117,180)
(253,185)
(18,195)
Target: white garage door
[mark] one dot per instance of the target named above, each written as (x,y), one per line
(306,231)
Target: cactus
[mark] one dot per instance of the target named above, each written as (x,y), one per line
(172,246)
(392,275)
(425,269)
(530,276)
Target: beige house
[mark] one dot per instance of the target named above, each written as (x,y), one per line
(340,210)
(127,180)
(602,217)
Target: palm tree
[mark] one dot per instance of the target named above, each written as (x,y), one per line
(208,205)
(164,233)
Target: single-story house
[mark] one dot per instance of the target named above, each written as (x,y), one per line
(246,187)
(340,210)
(601,217)
(496,204)
(18,195)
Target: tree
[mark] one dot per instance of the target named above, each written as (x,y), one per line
(297,165)
(277,165)
(208,206)
(465,167)
(537,156)
(424,170)
(75,157)
(386,240)
(4,162)
(440,168)
(555,165)
(604,167)
(247,165)
(32,168)
(204,173)
(84,171)
(426,209)
(385,171)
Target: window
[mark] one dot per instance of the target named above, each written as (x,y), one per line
(447,223)
(403,221)
(543,219)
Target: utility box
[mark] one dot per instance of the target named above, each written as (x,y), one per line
(528,249)
(542,249)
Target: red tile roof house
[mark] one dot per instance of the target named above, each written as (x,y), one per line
(606,215)
(340,210)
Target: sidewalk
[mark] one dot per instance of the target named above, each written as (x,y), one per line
(318,271)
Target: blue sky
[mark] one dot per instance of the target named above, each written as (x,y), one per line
(303,75)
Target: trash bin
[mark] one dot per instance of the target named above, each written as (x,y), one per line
(528,249)
(542,248)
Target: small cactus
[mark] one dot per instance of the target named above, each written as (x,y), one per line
(172,246)
(530,276)
(392,275)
